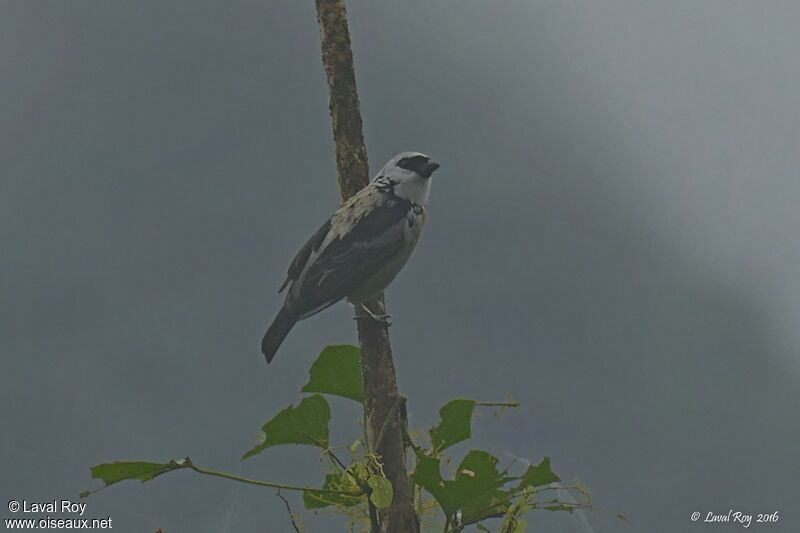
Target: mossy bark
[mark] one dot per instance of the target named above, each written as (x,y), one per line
(385,408)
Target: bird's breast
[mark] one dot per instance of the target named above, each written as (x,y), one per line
(411,229)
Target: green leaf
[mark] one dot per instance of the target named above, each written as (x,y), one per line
(382,492)
(305,424)
(485,492)
(340,481)
(428,476)
(337,371)
(455,424)
(115,472)
(539,475)
(475,489)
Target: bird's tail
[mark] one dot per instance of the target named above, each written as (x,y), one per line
(277,331)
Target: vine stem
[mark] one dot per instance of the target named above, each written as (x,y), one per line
(498,404)
(540,505)
(270,484)
(392,412)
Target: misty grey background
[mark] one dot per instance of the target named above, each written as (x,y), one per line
(612,241)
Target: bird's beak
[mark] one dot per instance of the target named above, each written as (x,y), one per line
(428,169)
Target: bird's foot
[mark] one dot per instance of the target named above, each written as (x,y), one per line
(381,320)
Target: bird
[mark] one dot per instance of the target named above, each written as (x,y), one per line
(360,249)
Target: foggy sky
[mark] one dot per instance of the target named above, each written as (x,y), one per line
(612,241)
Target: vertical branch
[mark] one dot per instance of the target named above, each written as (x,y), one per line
(337,59)
(377,366)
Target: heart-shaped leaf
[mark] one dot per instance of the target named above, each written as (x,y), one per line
(337,371)
(305,424)
(455,424)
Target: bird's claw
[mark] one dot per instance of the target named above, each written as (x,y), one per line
(380,320)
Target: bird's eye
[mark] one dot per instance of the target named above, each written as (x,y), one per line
(412,163)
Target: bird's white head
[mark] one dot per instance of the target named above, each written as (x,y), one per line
(409,173)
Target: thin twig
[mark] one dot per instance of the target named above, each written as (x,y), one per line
(375,523)
(327,450)
(506,469)
(289,510)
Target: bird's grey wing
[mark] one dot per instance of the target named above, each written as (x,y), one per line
(299,262)
(350,259)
